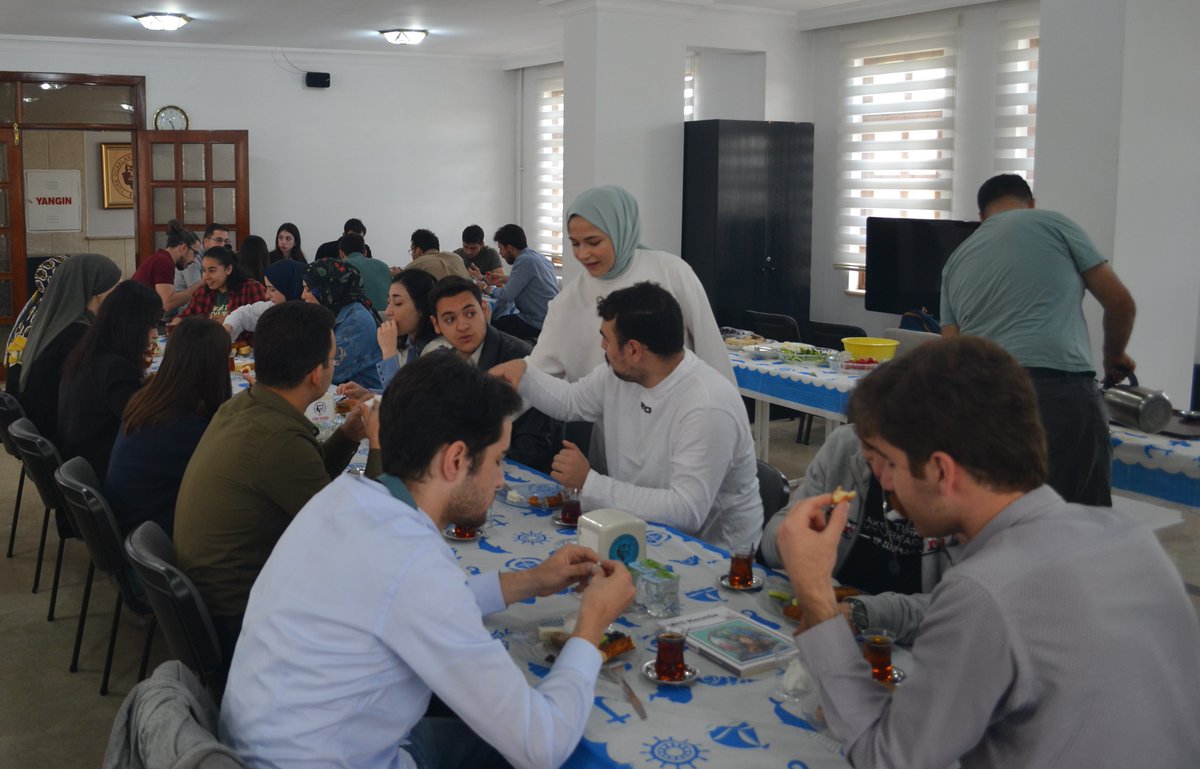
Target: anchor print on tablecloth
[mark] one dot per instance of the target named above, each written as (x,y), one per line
(613,716)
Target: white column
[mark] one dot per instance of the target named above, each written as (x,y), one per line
(623,74)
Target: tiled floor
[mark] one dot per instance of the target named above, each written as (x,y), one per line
(52,718)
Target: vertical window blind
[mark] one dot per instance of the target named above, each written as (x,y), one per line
(548,239)
(1016,98)
(689,87)
(896,151)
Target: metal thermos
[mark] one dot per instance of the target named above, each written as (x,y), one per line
(1137,407)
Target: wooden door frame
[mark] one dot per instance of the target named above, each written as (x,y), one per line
(145,184)
(16,216)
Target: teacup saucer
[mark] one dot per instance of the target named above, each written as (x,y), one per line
(449,534)
(689,677)
(755,584)
(558,521)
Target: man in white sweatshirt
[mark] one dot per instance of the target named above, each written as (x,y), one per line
(678,442)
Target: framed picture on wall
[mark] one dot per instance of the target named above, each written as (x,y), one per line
(116,163)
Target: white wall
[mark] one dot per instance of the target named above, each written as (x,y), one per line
(730,85)
(401,141)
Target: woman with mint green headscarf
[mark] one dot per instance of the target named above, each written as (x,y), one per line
(605,232)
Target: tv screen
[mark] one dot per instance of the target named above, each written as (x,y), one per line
(905,259)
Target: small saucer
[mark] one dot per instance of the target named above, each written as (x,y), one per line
(689,676)
(755,584)
(898,675)
(558,521)
(448,533)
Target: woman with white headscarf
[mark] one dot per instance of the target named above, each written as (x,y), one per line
(605,232)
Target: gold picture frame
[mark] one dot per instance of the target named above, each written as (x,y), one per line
(116,164)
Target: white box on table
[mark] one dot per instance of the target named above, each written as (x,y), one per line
(614,534)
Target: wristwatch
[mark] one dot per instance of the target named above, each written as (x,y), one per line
(858,614)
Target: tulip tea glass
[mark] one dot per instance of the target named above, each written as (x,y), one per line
(571,509)
(877,648)
(669,664)
(741,567)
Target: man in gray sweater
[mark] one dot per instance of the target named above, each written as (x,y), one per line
(1061,637)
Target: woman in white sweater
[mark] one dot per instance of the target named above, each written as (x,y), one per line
(605,230)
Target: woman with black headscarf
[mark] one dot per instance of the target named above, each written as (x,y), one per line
(337,286)
(64,315)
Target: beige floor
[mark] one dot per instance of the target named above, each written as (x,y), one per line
(50,718)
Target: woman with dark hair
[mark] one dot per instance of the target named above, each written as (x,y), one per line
(287,244)
(284,281)
(163,423)
(254,257)
(104,372)
(79,287)
(225,289)
(337,287)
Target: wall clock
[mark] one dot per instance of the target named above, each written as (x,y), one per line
(170,118)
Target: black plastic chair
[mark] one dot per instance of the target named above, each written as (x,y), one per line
(774,490)
(177,604)
(41,461)
(98,530)
(829,335)
(11,411)
(781,328)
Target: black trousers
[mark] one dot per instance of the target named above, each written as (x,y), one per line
(1077,436)
(512,324)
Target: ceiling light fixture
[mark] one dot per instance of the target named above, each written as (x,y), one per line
(404,36)
(165,22)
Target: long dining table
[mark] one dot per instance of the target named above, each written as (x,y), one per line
(721,720)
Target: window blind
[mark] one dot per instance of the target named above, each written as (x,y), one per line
(689,87)
(549,236)
(897,137)
(1016,98)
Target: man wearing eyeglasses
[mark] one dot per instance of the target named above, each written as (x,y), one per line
(157,271)
(187,277)
(259,462)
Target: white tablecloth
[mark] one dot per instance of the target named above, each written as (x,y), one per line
(720,721)
(1156,465)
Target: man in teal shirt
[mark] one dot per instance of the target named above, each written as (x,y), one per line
(376,277)
(1019,280)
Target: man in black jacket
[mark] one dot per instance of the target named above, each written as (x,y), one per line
(461,317)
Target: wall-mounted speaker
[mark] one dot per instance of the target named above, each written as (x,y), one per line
(316,79)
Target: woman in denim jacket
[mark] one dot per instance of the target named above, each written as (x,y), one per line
(338,287)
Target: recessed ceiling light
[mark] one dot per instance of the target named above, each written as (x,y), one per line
(404,36)
(168,22)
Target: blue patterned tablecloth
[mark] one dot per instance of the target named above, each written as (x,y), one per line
(799,384)
(1156,465)
(720,721)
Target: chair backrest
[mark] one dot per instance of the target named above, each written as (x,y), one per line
(773,489)
(177,604)
(10,411)
(41,460)
(829,335)
(96,525)
(909,340)
(781,328)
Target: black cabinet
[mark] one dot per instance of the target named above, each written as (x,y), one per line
(747,215)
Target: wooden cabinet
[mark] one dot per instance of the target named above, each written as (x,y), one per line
(747,215)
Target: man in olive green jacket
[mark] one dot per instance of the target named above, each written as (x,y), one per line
(259,462)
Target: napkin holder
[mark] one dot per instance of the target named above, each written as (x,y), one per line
(613,534)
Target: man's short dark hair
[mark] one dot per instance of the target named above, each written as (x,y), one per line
(1003,186)
(210,229)
(425,240)
(356,226)
(511,235)
(291,339)
(964,396)
(472,234)
(351,243)
(648,313)
(453,285)
(434,401)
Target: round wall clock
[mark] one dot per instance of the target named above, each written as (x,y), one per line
(170,118)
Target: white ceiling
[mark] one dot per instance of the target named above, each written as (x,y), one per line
(497,29)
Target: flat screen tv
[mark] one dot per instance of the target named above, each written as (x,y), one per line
(905,259)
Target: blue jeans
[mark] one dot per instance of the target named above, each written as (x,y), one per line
(1077,436)
(448,743)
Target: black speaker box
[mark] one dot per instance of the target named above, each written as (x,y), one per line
(316,79)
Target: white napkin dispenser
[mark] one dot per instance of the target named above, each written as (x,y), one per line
(613,534)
